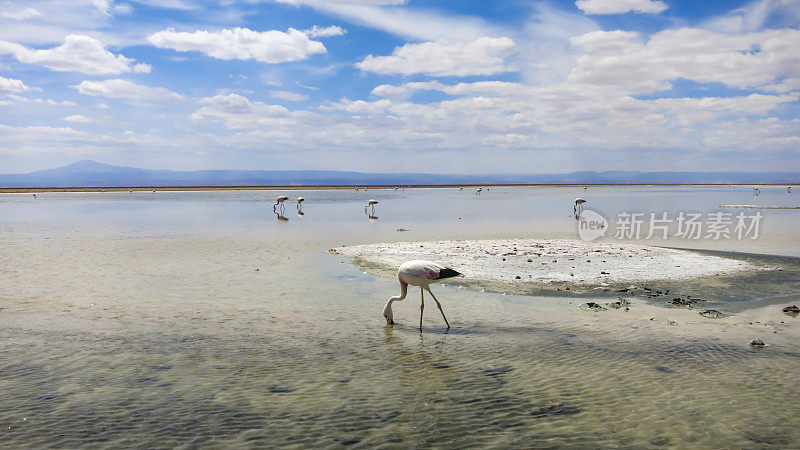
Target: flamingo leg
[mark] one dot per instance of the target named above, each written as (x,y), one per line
(440,308)
(421,306)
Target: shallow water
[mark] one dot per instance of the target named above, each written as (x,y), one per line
(197,318)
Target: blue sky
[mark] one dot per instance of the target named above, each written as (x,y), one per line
(448,86)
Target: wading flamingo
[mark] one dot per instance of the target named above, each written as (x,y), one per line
(279,201)
(371,203)
(419,273)
(300,201)
(478,191)
(577,208)
(756,191)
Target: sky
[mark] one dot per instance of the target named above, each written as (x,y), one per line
(447,86)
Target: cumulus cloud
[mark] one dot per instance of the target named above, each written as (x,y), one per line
(78,118)
(763,59)
(332,30)
(126,90)
(11,86)
(359,106)
(78,53)
(21,14)
(238,111)
(484,56)
(620,6)
(481,87)
(241,43)
(288,96)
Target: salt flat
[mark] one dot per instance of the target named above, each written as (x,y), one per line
(551,260)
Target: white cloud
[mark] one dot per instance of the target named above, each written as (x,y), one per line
(332,30)
(359,106)
(238,111)
(241,43)
(78,118)
(126,90)
(484,56)
(288,96)
(422,24)
(11,86)
(480,87)
(753,16)
(21,14)
(620,6)
(754,60)
(78,53)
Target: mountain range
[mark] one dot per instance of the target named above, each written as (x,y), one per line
(94,174)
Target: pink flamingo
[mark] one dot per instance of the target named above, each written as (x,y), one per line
(419,273)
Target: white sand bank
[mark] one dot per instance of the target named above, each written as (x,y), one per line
(549,261)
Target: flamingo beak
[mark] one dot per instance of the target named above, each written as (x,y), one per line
(389,321)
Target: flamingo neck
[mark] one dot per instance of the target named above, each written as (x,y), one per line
(403,293)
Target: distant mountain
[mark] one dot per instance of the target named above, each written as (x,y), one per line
(95,174)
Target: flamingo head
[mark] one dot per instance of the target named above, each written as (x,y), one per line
(387,314)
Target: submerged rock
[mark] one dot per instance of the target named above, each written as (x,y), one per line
(791,311)
(592,306)
(757,343)
(711,313)
(618,304)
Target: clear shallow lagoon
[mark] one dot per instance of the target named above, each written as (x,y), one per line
(198,318)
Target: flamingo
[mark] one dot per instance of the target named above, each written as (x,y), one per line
(279,201)
(300,201)
(756,191)
(789,190)
(372,203)
(578,205)
(419,273)
(478,191)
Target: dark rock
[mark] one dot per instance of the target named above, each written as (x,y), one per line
(757,343)
(791,311)
(711,313)
(592,306)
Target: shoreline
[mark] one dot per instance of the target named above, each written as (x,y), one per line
(325,187)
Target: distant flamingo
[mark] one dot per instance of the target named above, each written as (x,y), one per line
(300,201)
(279,201)
(478,191)
(371,203)
(789,190)
(419,273)
(756,191)
(578,207)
